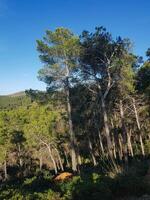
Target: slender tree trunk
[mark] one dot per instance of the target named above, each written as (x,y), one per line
(139,127)
(114,146)
(79,159)
(58,165)
(19,155)
(51,155)
(5,170)
(106,126)
(78,156)
(52,158)
(124,133)
(113,140)
(72,135)
(129,143)
(120,147)
(101,143)
(59,158)
(117,139)
(91,152)
(41,162)
(66,158)
(142,145)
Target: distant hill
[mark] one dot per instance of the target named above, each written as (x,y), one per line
(14,100)
(17,94)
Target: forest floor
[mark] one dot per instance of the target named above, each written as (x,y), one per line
(144,197)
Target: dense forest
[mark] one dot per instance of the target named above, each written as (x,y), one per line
(92,123)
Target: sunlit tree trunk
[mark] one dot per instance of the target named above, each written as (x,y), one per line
(19,155)
(129,143)
(52,158)
(41,162)
(78,156)
(48,146)
(5,170)
(72,135)
(91,152)
(120,149)
(59,158)
(124,133)
(114,146)
(139,127)
(113,140)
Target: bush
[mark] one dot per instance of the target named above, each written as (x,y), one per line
(87,187)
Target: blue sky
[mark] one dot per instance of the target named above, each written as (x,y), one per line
(24,21)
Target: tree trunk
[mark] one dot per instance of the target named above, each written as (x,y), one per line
(120,151)
(106,127)
(101,143)
(139,127)
(19,155)
(142,145)
(41,162)
(72,135)
(114,146)
(113,140)
(52,158)
(59,158)
(91,152)
(58,165)
(79,159)
(129,143)
(124,133)
(5,170)
(66,158)
(78,156)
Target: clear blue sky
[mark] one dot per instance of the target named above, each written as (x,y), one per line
(24,21)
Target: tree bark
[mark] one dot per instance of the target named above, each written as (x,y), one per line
(120,149)
(52,158)
(48,146)
(100,142)
(5,170)
(91,152)
(66,158)
(124,133)
(78,156)
(129,143)
(106,126)
(58,165)
(114,146)
(139,127)
(59,158)
(113,140)
(72,135)
(41,162)
(19,155)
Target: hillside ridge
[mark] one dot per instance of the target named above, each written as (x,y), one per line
(16,94)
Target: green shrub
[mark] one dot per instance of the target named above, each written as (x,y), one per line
(86,188)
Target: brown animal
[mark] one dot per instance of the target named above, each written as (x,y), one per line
(63,176)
